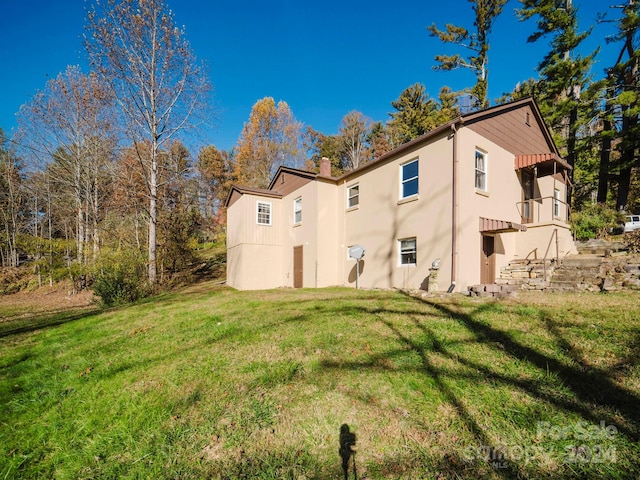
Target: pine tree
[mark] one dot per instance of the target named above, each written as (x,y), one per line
(564,74)
(623,101)
(486,12)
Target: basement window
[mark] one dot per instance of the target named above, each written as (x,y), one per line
(408,252)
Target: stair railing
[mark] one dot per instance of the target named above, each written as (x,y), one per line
(546,253)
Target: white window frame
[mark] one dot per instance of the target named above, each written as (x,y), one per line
(481,173)
(404,253)
(556,202)
(351,197)
(297,211)
(405,181)
(268,214)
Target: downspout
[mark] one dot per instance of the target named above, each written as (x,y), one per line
(454,211)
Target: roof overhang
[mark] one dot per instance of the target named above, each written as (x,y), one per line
(238,190)
(292,171)
(546,163)
(491,225)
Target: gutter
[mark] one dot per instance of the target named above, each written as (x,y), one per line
(454,210)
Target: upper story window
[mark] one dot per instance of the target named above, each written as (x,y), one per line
(353,196)
(556,203)
(297,210)
(263,213)
(408,251)
(409,176)
(481,170)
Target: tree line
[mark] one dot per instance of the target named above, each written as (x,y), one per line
(99,175)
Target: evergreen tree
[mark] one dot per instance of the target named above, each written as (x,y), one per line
(623,104)
(564,73)
(486,11)
(416,114)
(412,115)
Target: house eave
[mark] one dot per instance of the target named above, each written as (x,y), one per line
(244,190)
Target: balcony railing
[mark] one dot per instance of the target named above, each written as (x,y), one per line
(543,210)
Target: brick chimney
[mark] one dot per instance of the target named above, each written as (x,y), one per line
(325,167)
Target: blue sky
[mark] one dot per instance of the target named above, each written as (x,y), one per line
(323,58)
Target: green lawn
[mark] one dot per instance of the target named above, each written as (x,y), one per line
(213,383)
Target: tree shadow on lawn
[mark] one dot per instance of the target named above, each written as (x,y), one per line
(38,322)
(596,397)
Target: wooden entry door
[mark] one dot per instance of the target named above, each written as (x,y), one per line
(488,260)
(297,266)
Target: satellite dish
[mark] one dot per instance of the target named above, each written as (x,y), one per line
(356,252)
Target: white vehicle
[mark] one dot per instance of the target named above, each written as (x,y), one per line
(632,223)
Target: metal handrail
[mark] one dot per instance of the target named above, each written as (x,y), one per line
(544,260)
(535,212)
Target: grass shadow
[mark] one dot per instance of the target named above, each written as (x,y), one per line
(594,393)
(591,386)
(38,322)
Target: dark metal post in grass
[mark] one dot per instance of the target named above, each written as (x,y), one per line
(347,443)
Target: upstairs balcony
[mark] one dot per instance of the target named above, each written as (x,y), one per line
(543,210)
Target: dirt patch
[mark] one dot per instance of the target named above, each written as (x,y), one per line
(44,300)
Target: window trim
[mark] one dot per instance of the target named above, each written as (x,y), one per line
(351,197)
(258,213)
(485,171)
(297,202)
(404,181)
(402,252)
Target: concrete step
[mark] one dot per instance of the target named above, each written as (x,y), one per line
(582,261)
(575,274)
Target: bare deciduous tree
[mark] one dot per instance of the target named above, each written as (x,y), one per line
(353,133)
(10,203)
(136,47)
(69,126)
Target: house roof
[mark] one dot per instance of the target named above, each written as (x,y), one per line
(237,190)
(292,171)
(522,160)
(500,109)
(469,119)
(256,191)
(403,148)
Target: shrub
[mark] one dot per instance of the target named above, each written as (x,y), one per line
(595,220)
(120,278)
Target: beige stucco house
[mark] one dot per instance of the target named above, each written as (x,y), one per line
(446,210)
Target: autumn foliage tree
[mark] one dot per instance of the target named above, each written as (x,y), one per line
(271,137)
(216,172)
